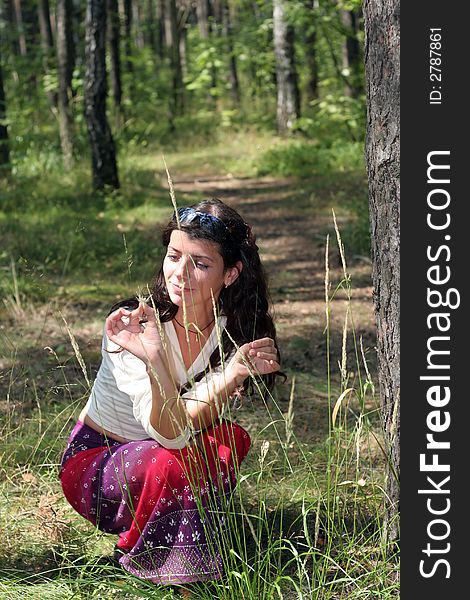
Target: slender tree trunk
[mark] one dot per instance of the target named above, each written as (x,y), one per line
(382,64)
(64,92)
(127,5)
(137,21)
(351,52)
(160,33)
(104,167)
(20,27)
(7,11)
(45,28)
(228,34)
(183,49)
(47,44)
(202,10)
(202,13)
(311,51)
(288,98)
(4,147)
(168,31)
(150,38)
(33,40)
(71,54)
(171,31)
(77,37)
(114,39)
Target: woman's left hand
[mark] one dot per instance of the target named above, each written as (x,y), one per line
(259,357)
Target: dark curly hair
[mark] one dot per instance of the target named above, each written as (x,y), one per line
(245,302)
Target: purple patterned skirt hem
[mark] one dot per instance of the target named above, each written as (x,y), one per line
(167,506)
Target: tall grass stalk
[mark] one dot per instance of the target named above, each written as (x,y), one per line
(302,522)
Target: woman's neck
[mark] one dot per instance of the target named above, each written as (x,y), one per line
(195,320)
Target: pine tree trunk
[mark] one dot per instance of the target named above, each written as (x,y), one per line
(203,13)
(77,39)
(160,37)
(127,42)
(114,39)
(228,34)
(171,30)
(7,11)
(183,49)
(382,155)
(137,21)
(71,55)
(4,148)
(104,167)
(150,26)
(47,44)
(202,9)
(20,26)
(351,52)
(311,52)
(64,91)
(168,32)
(288,98)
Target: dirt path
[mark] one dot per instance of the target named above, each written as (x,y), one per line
(291,225)
(292,238)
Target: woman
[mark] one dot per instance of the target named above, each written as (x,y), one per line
(151,457)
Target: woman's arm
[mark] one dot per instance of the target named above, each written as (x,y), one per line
(170,413)
(138,332)
(258,357)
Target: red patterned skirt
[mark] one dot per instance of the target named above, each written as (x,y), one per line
(167,506)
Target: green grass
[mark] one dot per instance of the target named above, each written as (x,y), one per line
(306,517)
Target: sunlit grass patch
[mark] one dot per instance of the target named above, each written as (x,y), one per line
(306,514)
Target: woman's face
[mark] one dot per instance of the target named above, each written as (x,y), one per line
(194,272)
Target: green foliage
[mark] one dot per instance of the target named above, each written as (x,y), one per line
(309,159)
(56,232)
(334,117)
(313,162)
(65,248)
(304,520)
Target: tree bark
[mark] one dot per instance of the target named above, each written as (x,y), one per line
(228,34)
(150,26)
(45,28)
(288,98)
(351,52)
(7,11)
(47,44)
(171,30)
(202,9)
(160,33)
(183,49)
(104,167)
(311,52)
(64,76)
(127,40)
(4,147)
(114,39)
(20,27)
(137,21)
(382,64)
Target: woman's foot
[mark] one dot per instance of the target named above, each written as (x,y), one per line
(119,552)
(183,592)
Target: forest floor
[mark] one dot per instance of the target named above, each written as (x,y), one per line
(43,386)
(292,225)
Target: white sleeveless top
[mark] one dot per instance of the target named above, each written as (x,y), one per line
(121,397)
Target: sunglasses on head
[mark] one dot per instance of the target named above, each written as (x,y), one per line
(205,220)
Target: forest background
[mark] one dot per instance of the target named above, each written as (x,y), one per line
(260,103)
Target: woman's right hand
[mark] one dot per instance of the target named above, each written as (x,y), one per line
(136,331)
